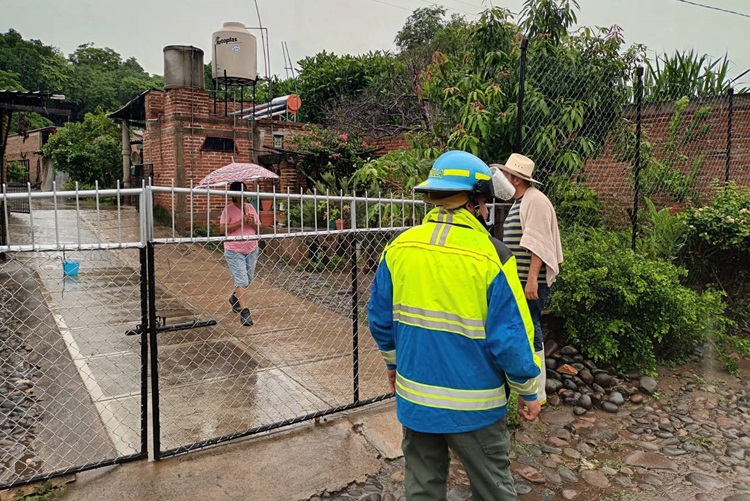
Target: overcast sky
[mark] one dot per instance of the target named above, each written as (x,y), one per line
(142,28)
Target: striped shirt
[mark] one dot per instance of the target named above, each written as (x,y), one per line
(512,233)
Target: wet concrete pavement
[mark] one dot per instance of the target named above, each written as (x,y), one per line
(296,464)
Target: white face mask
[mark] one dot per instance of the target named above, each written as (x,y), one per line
(502,188)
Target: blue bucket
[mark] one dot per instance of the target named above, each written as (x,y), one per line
(70,268)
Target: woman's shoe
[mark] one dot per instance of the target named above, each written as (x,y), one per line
(246,318)
(235,303)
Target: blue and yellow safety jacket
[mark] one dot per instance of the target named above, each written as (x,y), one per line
(448,313)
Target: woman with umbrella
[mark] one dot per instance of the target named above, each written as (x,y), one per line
(240,219)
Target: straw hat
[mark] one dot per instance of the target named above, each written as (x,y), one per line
(519,166)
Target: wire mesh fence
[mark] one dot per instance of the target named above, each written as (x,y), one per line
(118,338)
(604,149)
(308,352)
(71,380)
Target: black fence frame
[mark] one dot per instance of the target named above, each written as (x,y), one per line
(152,328)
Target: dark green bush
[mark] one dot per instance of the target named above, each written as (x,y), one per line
(17,173)
(718,253)
(575,203)
(622,308)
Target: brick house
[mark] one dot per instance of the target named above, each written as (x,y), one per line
(26,149)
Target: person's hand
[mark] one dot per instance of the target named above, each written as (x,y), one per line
(392,379)
(532,289)
(529,410)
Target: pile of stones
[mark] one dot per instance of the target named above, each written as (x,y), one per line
(575,380)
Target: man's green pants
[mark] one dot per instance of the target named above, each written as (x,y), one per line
(483,453)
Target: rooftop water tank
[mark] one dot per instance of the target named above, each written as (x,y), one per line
(235,55)
(183,67)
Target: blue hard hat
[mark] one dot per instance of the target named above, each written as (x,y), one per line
(458,171)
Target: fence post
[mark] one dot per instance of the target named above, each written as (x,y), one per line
(521,89)
(729,133)
(143,253)
(355,315)
(637,162)
(147,219)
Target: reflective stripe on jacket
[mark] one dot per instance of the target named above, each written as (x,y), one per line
(448,312)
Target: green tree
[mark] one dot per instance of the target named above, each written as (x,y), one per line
(9,80)
(37,66)
(89,151)
(99,78)
(327,81)
(29,65)
(549,19)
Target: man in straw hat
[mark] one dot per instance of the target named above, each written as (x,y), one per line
(448,315)
(530,232)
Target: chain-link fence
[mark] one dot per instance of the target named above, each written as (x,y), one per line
(73,385)
(605,148)
(308,352)
(118,339)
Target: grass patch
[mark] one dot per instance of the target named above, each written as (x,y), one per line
(42,492)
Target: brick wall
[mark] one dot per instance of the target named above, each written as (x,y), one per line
(179,120)
(29,148)
(390,143)
(612,179)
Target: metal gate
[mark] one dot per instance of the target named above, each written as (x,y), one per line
(73,384)
(20,205)
(308,353)
(112,317)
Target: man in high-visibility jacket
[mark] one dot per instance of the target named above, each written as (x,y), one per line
(451,321)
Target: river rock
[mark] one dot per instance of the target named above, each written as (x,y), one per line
(595,478)
(649,460)
(567,475)
(647,385)
(705,482)
(586,376)
(552,386)
(585,402)
(616,398)
(568,350)
(603,379)
(530,473)
(610,407)
(602,435)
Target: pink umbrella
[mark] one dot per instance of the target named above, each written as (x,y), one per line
(236,172)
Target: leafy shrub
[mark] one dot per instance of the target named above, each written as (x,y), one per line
(663,234)
(724,224)
(633,311)
(328,158)
(574,202)
(16,172)
(398,171)
(718,253)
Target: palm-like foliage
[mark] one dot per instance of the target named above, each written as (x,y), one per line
(685,74)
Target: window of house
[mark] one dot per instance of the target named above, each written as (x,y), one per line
(278,140)
(218,144)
